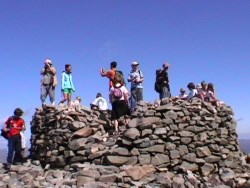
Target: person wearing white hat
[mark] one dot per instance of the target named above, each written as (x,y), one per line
(136,78)
(48,82)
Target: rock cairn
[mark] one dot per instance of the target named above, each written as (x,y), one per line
(176,144)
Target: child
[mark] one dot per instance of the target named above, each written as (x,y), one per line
(67,85)
(193,91)
(210,95)
(182,94)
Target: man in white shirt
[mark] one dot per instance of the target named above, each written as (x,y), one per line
(99,103)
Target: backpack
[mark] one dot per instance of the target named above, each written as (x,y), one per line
(117,93)
(6,134)
(119,78)
(158,88)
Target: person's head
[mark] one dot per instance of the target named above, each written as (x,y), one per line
(198,86)
(210,87)
(165,66)
(191,86)
(98,95)
(68,68)
(18,112)
(134,65)
(47,62)
(119,79)
(113,64)
(182,90)
(78,98)
(204,85)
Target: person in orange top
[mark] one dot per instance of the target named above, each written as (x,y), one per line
(110,74)
(14,125)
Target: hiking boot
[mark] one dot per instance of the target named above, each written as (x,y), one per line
(8,166)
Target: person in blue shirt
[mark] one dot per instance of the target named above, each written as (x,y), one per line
(136,78)
(67,85)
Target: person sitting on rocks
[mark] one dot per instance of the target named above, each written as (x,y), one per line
(202,90)
(210,95)
(193,91)
(76,104)
(118,97)
(99,103)
(182,94)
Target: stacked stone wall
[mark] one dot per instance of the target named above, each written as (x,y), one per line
(176,143)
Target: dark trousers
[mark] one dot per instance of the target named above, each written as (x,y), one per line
(14,146)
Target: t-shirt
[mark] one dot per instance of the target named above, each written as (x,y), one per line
(181,96)
(136,75)
(192,93)
(111,76)
(18,122)
(124,91)
(101,103)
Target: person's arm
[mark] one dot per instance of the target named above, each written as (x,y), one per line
(103,72)
(130,77)
(125,94)
(71,82)
(141,79)
(6,125)
(110,95)
(52,70)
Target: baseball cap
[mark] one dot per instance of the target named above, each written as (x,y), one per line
(182,90)
(134,63)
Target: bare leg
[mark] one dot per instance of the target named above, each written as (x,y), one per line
(65,96)
(69,100)
(116,125)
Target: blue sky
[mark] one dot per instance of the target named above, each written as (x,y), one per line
(202,40)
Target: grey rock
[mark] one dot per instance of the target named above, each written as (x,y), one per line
(132,133)
(159,159)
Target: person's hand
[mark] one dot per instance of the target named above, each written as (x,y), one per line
(15,125)
(6,129)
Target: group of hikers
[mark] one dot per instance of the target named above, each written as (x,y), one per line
(123,102)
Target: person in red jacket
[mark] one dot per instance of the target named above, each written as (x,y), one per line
(14,125)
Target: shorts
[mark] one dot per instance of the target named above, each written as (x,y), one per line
(67,91)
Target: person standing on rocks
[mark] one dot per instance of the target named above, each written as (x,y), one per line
(67,85)
(14,125)
(48,82)
(163,81)
(136,78)
(109,74)
(118,97)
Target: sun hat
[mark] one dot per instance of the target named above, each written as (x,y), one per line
(48,61)
(165,65)
(134,63)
